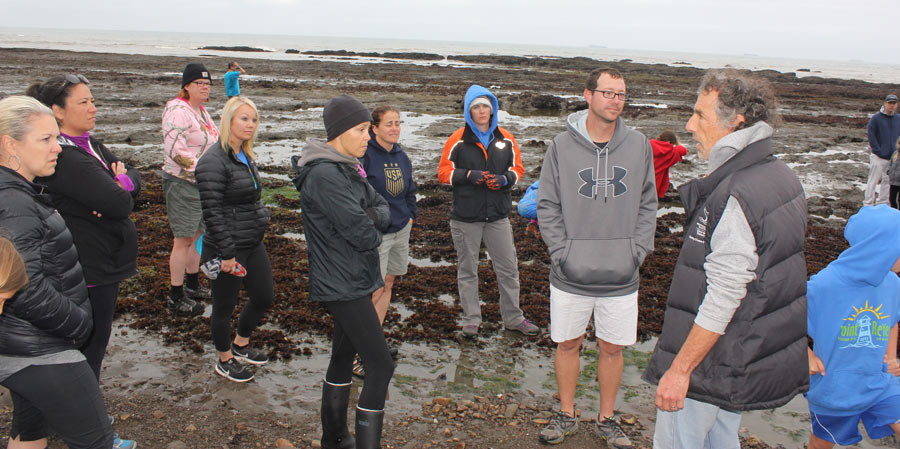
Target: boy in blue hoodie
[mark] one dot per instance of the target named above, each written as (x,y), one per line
(853,311)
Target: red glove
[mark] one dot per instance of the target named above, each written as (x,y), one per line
(495,182)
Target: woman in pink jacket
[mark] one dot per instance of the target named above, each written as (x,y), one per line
(188,131)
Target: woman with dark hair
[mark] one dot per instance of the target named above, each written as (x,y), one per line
(235,221)
(188,131)
(389,171)
(43,325)
(94,192)
(343,219)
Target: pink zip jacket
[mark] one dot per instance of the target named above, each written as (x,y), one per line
(185,138)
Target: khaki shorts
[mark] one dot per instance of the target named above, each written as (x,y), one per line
(183,207)
(394,252)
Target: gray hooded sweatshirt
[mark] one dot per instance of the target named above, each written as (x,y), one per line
(597,209)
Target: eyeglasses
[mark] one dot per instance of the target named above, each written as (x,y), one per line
(609,95)
(68,80)
(202,83)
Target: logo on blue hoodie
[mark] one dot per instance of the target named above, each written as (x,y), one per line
(865,327)
(393,179)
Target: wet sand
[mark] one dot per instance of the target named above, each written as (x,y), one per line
(158,378)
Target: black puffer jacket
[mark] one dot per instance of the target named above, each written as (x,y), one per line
(342,239)
(52,313)
(230,194)
(107,245)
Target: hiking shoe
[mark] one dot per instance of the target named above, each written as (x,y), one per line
(614,436)
(119,443)
(526,328)
(358,369)
(558,428)
(249,355)
(470,330)
(233,370)
(185,306)
(200,292)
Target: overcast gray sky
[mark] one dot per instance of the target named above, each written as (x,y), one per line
(824,29)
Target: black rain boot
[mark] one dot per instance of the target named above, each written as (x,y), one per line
(335,399)
(368,428)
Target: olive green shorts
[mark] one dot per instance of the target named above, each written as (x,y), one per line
(183,207)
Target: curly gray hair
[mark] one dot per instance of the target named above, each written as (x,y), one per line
(739,93)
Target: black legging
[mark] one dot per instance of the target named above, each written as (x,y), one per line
(895,196)
(103,306)
(357,331)
(225,289)
(64,396)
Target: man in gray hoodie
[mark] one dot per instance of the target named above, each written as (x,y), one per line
(597,214)
(734,334)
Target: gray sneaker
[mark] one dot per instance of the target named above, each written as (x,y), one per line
(527,328)
(200,292)
(614,436)
(558,428)
(470,330)
(185,306)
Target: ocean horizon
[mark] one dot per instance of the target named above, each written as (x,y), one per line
(185,44)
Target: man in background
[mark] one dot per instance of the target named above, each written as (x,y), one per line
(232,84)
(884,130)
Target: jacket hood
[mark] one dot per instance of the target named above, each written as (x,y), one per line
(474,92)
(874,237)
(733,143)
(317,150)
(373,144)
(576,124)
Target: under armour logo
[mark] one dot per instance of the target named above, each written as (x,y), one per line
(591,183)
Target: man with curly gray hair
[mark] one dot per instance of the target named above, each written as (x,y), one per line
(734,335)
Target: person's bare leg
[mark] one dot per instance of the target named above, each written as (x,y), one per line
(818,443)
(14,443)
(183,258)
(192,263)
(567,363)
(609,375)
(382,297)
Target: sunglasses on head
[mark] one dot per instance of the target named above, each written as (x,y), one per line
(68,80)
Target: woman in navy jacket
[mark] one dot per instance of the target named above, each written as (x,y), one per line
(389,171)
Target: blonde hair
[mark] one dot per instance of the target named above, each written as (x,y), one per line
(16,114)
(13,276)
(225,125)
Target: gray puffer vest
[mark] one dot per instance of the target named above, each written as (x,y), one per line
(760,361)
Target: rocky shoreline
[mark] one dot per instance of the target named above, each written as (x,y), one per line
(822,136)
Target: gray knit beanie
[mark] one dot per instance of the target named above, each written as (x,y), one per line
(342,113)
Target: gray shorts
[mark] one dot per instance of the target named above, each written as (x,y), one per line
(394,252)
(183,207)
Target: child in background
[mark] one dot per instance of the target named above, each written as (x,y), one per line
(666,153)
(853,310)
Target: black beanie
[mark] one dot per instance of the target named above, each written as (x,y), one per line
(342,113)
(194,71)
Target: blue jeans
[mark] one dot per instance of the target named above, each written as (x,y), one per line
(697,425)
